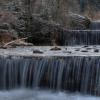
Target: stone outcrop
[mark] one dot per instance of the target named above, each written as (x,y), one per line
(75,21)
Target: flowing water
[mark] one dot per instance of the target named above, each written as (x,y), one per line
(79,37)
(74,71)
(23,94)
(71,73)
(95,25)
(53,70)
(53,75)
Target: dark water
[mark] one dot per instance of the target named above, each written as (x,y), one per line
(80,74)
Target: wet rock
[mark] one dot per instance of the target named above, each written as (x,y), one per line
(84,51)
(76,21)
(69,52)
(37,51)
(55,49)
(85,46)
(96,50)
(77,50)
(88,48)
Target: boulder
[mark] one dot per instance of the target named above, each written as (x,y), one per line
(55,49)
(75,21)
(37,52)
(96,50)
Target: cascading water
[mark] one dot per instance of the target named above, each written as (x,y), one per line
(83,5)
(66,72)
(95,25)
(79,37)
(61,73)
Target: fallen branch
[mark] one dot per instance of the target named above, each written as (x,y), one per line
(18,42)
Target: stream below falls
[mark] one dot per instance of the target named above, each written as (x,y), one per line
(23,94)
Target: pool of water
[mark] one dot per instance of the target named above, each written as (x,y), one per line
(23,94)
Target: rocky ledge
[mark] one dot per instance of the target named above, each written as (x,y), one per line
(51,51)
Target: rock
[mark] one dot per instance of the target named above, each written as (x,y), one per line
(37,51)
(96,50)
(75,21)
(66,48)
(85,46)
(84,51)
(88,48)
(69,52)
(77,50)
(55,49)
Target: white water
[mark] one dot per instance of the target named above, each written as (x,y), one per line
(42,95)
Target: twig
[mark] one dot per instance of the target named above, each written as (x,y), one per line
(14,41)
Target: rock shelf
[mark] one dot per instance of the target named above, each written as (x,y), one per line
(48,51)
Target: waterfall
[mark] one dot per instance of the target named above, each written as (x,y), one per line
(82,5)
(61,73)
(79,37)
(95,25)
